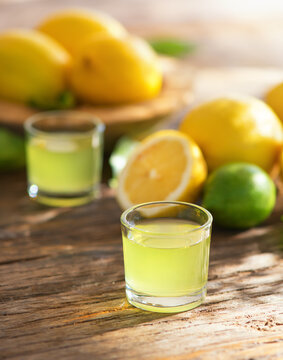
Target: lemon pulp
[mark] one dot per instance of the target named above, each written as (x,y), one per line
(167,165)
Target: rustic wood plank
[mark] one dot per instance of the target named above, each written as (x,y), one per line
(62,289)
(61,270)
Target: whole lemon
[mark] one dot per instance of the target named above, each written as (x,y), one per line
(274,98)
(235,129)
(71,28)
(112,70)
(33,67)
(239,195)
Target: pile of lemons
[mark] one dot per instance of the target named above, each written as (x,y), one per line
(86,53)
(226,148)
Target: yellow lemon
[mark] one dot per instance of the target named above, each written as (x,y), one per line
(235,129)
(274,98)
(33,67)
(113,70)
(71,28)
(167,165)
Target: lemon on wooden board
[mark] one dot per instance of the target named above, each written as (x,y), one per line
(274,98)
(71,28)
(239,195)
(112,70)
(235,129)
(33,67)
(167,165)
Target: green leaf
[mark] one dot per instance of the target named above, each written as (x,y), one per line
(12,150)
(65,100)
(172,47)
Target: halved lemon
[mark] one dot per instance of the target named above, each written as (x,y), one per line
(167,165)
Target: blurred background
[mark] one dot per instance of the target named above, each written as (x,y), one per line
(228,32)
(214,48)
(236,48)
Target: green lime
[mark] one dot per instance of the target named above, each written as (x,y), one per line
(239,195)
(12,150)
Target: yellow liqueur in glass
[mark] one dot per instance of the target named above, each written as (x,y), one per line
(166,257)
(62,165)
(64,157)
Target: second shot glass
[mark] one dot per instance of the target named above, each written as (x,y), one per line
(64,157)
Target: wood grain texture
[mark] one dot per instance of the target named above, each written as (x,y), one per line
(62,289)
(61,270)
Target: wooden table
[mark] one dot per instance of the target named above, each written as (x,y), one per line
(61,270)
(62,289)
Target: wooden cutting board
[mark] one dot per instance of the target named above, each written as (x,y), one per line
(176,94)
(183,86)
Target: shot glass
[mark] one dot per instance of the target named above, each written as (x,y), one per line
(166,255)
(64,157)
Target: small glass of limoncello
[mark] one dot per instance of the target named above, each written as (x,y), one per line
(166,255)
(64,157)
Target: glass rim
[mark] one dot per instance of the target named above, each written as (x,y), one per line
(125,222)
(99,126)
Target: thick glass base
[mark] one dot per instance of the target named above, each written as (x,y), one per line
(165,304)
(62,200)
